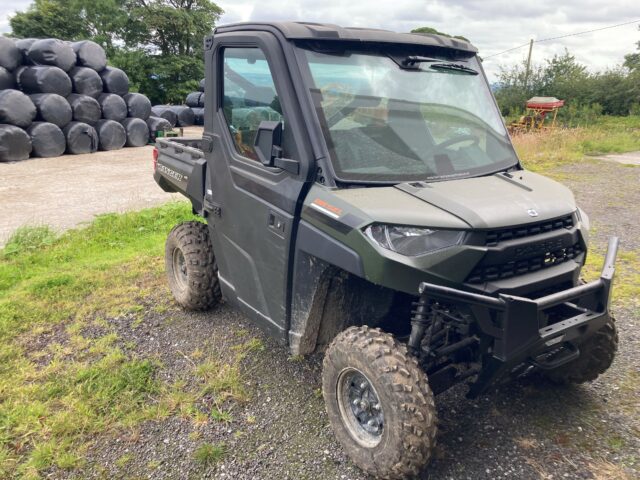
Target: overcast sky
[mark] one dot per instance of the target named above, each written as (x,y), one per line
(492,25)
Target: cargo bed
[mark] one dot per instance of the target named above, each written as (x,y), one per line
(179,165)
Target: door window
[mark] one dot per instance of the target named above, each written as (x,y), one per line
(249,96)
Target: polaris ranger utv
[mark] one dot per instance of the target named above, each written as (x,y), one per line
(361,195)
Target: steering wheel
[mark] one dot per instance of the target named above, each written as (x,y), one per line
(448,143)
(455,140)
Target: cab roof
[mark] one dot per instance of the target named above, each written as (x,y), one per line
(331,32)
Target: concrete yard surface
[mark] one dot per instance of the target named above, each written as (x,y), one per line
(65,191)
(629,158)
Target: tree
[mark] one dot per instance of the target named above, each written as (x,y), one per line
(157,42)
(49,18)
(173,27)
(632,60)
(433,31)
(566,79)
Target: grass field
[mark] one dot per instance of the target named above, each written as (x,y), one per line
(54,395)
(544,151)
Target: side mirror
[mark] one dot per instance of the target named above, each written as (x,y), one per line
(268,146)
(268,142)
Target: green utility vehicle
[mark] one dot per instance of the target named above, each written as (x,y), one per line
(362,196)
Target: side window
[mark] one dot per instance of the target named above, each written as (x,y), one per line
(249,96)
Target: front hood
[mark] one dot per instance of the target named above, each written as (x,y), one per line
(499,200)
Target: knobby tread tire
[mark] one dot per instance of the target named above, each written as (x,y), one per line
(409,434)
(203,289)
(596,356)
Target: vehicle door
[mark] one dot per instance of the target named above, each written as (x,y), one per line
(255,206)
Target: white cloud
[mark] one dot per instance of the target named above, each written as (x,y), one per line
(7,9)
(491,25)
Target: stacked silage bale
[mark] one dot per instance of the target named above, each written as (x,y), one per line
(165,117)
(58,97)
(195,100)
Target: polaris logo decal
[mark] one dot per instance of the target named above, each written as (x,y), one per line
(326,208)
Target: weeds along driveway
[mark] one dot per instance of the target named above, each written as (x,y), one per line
(120,383)
(65,191)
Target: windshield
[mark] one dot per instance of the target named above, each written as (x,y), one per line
(392,120)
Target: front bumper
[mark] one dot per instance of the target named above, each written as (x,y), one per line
(532,331)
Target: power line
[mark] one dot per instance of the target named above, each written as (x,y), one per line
(561,36)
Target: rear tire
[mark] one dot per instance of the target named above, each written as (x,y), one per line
(379,403)
(596,356)
(191,266)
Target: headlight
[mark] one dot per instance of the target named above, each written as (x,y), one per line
(412,241)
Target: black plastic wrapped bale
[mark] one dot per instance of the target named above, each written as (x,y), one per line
(198,115)
(7,79)
(164,111)
(90,55)
(24,44)
(111,135)
(15,143)
(85,108)
(138,106)
(52,108)
(81,138)
(157,124)
(43,79)
(193,99)
(115,81)
(47,140)
(10,55)
(137,132)
(86,81)
(16,108)
(201,86)
(113,107)
(17,74)
(54,52)
(184,114)
(201,101)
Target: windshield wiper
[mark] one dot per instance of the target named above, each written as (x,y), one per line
(455,67)
(413,60)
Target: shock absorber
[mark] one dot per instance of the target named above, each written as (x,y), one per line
(420,320)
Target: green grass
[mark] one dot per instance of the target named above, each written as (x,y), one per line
(209,454)
(55,394)
(626,284)
(26,239)
(543,151)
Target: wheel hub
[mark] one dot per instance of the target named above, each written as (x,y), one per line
(360,407)
(180,268)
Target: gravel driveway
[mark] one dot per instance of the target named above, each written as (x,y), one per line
(526,430)
(65,191)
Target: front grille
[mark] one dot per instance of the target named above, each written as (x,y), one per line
(520,267)
(496,236)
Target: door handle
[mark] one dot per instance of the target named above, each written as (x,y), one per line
(276,223)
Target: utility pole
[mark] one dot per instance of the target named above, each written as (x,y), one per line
(526,73)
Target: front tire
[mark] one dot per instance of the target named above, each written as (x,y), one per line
(191,266)
(596,356)
(379,403)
